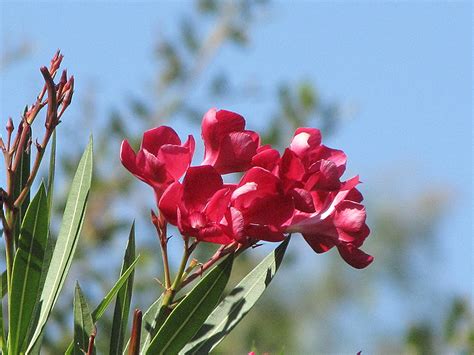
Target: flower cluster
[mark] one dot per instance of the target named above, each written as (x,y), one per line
(298,191)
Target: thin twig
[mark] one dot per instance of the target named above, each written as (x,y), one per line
(221,252)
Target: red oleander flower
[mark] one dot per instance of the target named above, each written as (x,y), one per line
(228,146)
(263,206)
(310,165)
(300,191)
(198,205)
(161,160)
(267,158)
(335,219)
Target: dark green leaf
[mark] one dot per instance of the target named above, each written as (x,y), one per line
(189,315)
(21,177)
(67,241)
(4,283)
(149,325)
(3,346)
(27,267)
(237,304)
(83,324)
(122,301)
(100,309)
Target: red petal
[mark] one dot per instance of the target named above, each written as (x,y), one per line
(228,121)
(127,157)
(338,157)
(218,205)
(150,169)
(325,176)
(236,151)
(213,234)
(154,138)
(200,183)
(272,210)
(355,238)
(175,158)
(265,180)
(354,195)
(303,200)
(291,168)
(190,144)
(354,256)
(170,201)
(217,124)
(305,139)
(350,216)
(319,243)
(264,232)
(267,158)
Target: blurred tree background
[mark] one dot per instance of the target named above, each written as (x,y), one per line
(317,304)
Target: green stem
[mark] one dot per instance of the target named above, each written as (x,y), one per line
(171,292)
(9,232)
(182,266)
(162,232)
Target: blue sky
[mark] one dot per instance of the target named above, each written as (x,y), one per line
(405,67)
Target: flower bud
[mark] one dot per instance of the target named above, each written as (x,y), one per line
(10,127)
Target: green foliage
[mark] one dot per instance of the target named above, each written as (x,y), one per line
(98,312)
(67,241)
(83,323)
(123,298)
(189,315)
(237,304)
(150,323)
(27,268)
(21,178)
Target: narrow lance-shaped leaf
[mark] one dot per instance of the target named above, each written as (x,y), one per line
(21,177)
(188,316)
(27,266)
(4,283)
(122,302)
(83,324)
(237,304)
(100,309)
(67,241)
(51,242)
(149,325)
(3,346)
(36,349)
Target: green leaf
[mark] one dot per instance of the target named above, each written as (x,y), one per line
(36,349)
(237,304)
(188,316)
(149,325)
(67,241)
(4,284)
(3,347)
(83,324)
(21,178)
(100,309)
(122,302)
(27,267)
